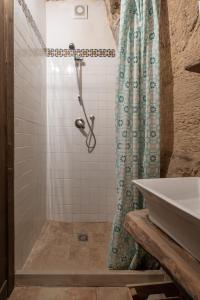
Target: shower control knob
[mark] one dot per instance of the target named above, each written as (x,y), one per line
(92,117)
(80,123)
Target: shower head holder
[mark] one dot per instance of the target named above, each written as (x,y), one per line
(72,46)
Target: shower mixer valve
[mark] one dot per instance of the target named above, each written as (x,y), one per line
(80,123)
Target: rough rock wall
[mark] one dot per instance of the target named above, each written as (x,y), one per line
(113,11)
(184,88)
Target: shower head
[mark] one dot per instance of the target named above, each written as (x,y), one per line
(71,46)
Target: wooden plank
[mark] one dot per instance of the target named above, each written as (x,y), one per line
(112,279)
(3,291)
(6,139)
(6,147)
(144,290)
(3,204)
(182,267)
(9,92)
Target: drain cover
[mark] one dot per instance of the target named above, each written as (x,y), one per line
(82,237)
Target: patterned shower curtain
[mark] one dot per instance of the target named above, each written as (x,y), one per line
(137,123)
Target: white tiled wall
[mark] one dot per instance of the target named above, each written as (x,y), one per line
(62,28)
(38,11)
(81,186)
(30,133)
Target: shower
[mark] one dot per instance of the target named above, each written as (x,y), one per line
(64,139)
(79,122)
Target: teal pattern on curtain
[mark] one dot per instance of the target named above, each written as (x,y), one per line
(137,123)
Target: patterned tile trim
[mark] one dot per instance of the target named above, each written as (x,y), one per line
(32,22)
(55,52)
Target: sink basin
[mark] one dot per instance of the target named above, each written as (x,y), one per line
(174,206)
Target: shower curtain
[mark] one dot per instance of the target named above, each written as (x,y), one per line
(137,123)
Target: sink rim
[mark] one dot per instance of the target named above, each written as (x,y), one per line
(140,183)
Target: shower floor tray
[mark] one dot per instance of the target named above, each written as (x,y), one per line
(70,247)
(61,258)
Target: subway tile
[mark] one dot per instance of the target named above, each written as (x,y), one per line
(89,178)
(30,136)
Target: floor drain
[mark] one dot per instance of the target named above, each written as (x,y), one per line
(82,237)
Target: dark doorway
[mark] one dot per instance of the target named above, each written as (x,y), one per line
(6,149)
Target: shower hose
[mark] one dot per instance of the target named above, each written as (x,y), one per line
(90,136)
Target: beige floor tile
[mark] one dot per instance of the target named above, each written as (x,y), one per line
(99,238)
(82,294)
(35,293)
(90,227)
(114,293)
(21,293)
(56,230)
(98,258)
(44,293)
(79,257)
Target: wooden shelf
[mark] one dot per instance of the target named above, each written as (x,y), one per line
(193,67)
(181,266)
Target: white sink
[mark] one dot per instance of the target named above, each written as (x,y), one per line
(174,206)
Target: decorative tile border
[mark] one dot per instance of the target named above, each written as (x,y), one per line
(56,52)
(32,22)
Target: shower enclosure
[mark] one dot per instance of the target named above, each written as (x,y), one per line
(65,194)
(69,188)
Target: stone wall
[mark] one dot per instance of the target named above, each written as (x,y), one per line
(182,91)
(113,12)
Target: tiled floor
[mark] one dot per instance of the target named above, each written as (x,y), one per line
(42,293)
(58,248)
